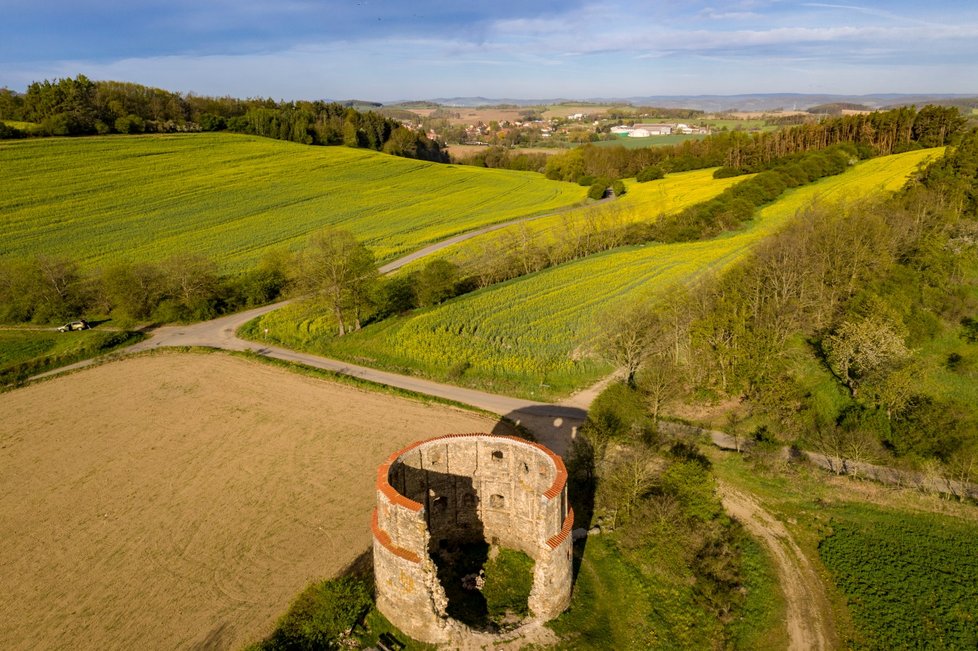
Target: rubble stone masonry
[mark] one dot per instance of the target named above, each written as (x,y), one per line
(468,488)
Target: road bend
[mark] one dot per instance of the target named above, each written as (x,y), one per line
(555,425)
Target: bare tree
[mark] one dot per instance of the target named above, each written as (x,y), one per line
(629,336)
(660,380)
(338,268)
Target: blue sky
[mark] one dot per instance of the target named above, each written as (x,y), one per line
(416,49)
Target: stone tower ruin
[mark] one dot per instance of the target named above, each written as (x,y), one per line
(468,488)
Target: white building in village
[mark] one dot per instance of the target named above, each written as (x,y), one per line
(646,130)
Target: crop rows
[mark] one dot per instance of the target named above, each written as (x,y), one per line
(232,197)
(911,580)
(644,202)
(534,335)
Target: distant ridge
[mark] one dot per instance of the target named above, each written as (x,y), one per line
(719,103)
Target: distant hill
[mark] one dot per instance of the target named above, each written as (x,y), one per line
(724,103)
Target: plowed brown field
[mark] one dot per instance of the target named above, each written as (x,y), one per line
(183,500)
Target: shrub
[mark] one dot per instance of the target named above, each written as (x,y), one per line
(651,173)
(320,616)
(727,172)
(617,412)
(597,190)
(8,132)
(130,124)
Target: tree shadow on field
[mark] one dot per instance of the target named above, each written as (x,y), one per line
(218,637)
(554,426)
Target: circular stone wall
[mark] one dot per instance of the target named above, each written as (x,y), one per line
(468,488)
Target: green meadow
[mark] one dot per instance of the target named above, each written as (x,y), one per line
(533,336)
(233,197)
(29,351)
(651,141)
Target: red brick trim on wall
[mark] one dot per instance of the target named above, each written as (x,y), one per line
(384,539)
(383,472)
(555,541)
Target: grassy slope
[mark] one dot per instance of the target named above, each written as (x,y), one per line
(532,336)
(29,351)
(937,379)
(232,197)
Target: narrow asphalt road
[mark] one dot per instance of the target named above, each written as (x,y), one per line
(555,425)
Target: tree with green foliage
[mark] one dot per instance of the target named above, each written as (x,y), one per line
(650,173)
(192,285)
(132,291)
(436,282)
(336,267)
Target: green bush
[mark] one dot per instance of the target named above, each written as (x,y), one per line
(618,412)
(727,172)
(597,191)
(320,616)
(650,173)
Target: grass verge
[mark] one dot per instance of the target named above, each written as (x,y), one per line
(28,352)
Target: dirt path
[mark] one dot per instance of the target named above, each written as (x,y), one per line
(808,617)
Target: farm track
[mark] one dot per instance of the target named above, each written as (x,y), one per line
(808,615)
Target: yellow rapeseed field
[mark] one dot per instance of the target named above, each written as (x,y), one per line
(643,202)
(534,336)
(232,197)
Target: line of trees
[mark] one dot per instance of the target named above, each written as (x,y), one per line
(736,205)
(873,134)
(859,295)
(340,271)
(333,269)
(80,106)
(48,289)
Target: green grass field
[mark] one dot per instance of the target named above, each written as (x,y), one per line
(534,336)
(29,351)
(651,141)
(233,197)
(911,580)
(899,565)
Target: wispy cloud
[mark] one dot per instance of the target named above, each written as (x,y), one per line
(389,49)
